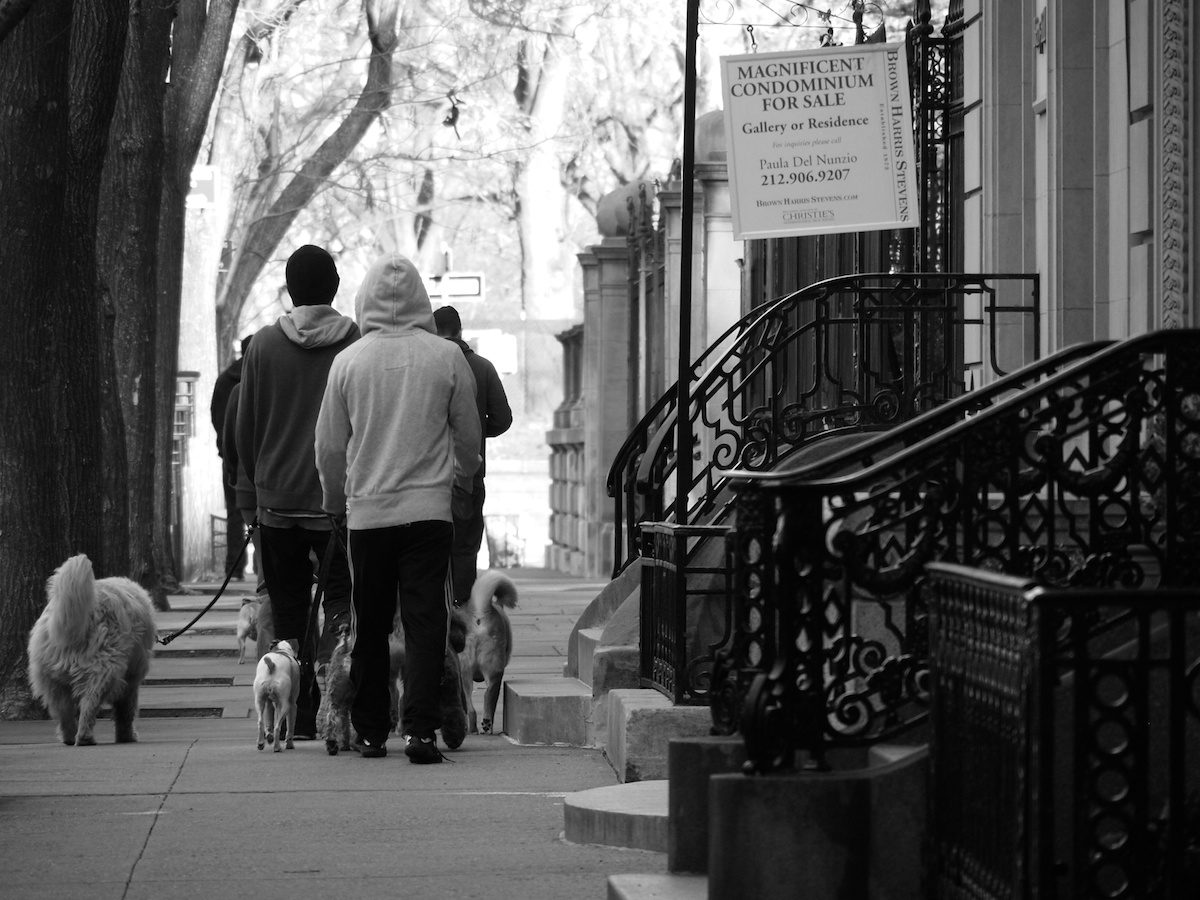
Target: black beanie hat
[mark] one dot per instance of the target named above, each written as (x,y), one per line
(446,319)
(311,276)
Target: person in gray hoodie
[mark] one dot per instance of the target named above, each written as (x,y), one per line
(398,429)
(283,380)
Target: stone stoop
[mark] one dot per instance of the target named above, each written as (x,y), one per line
(856,832)
(621,815)
(549,710)
(641,725)
(575,710)
(657,887)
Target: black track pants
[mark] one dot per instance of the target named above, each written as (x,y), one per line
(410,563)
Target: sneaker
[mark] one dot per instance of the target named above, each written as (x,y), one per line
(369,749)
(422,751)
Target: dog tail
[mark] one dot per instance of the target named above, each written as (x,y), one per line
(492,587)
(270,664)
(71,596)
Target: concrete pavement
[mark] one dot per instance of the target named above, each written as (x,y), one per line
(194,810)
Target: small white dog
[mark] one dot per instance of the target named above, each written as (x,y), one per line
(91,645)
(247,626)
(276,689)
(489,643)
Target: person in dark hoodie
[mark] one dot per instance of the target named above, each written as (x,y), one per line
(222,391)
(283,380)
(398,430)
(495,418)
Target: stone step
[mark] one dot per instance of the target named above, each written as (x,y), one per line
(641,724)
(620,815)
(658,887)
(548,710)
(587,640)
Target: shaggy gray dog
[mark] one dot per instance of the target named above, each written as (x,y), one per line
(91,645)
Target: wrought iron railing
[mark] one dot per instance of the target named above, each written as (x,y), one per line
(1089,477)
(851,354)
(1065,752)
(676,595)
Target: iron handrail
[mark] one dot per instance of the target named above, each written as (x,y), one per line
(774,429)
(883,446)
(846,483)
(1089,477)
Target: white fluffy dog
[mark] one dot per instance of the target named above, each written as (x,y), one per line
(489,643)
(276,689)
(247,626)
(91,645)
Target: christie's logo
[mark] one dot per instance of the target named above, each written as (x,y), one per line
(807,215)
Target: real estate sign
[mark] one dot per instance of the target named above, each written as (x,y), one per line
(819,141)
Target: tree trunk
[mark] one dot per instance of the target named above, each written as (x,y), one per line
(97,45)
(200,40)
(34,171)
(127,241)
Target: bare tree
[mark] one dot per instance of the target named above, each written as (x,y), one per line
(267,209)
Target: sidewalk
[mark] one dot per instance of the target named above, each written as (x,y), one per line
(194,810)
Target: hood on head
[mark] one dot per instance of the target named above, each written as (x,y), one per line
(393,298)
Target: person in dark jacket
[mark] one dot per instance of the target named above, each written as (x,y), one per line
(495,418)
(228,379)
(283,381)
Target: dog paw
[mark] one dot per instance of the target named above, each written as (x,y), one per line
(261,744)
(485,726)
(331,748)
(85,740)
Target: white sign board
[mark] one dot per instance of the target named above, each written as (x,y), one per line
(820,141)
(454,287)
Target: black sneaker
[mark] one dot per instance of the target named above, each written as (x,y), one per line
(368,749)
(422,751)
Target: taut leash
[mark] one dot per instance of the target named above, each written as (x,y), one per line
(237,563)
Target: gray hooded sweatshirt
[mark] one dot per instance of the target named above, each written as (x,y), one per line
(398,422)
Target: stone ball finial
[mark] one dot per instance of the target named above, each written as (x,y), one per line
(612,212)
(710,137)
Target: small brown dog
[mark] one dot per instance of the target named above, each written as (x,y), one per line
(92,644)
(247,625)
(489,643)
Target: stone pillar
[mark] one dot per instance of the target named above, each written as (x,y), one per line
(722,290)
(608,372)
(566,440)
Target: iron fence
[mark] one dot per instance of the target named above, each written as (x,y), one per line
(1065,754)
(1088,476)
(677,604)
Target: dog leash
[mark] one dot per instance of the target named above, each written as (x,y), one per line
(228,577)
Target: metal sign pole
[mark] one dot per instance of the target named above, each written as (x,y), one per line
(683,444)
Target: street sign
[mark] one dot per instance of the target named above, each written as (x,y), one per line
(455,286)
